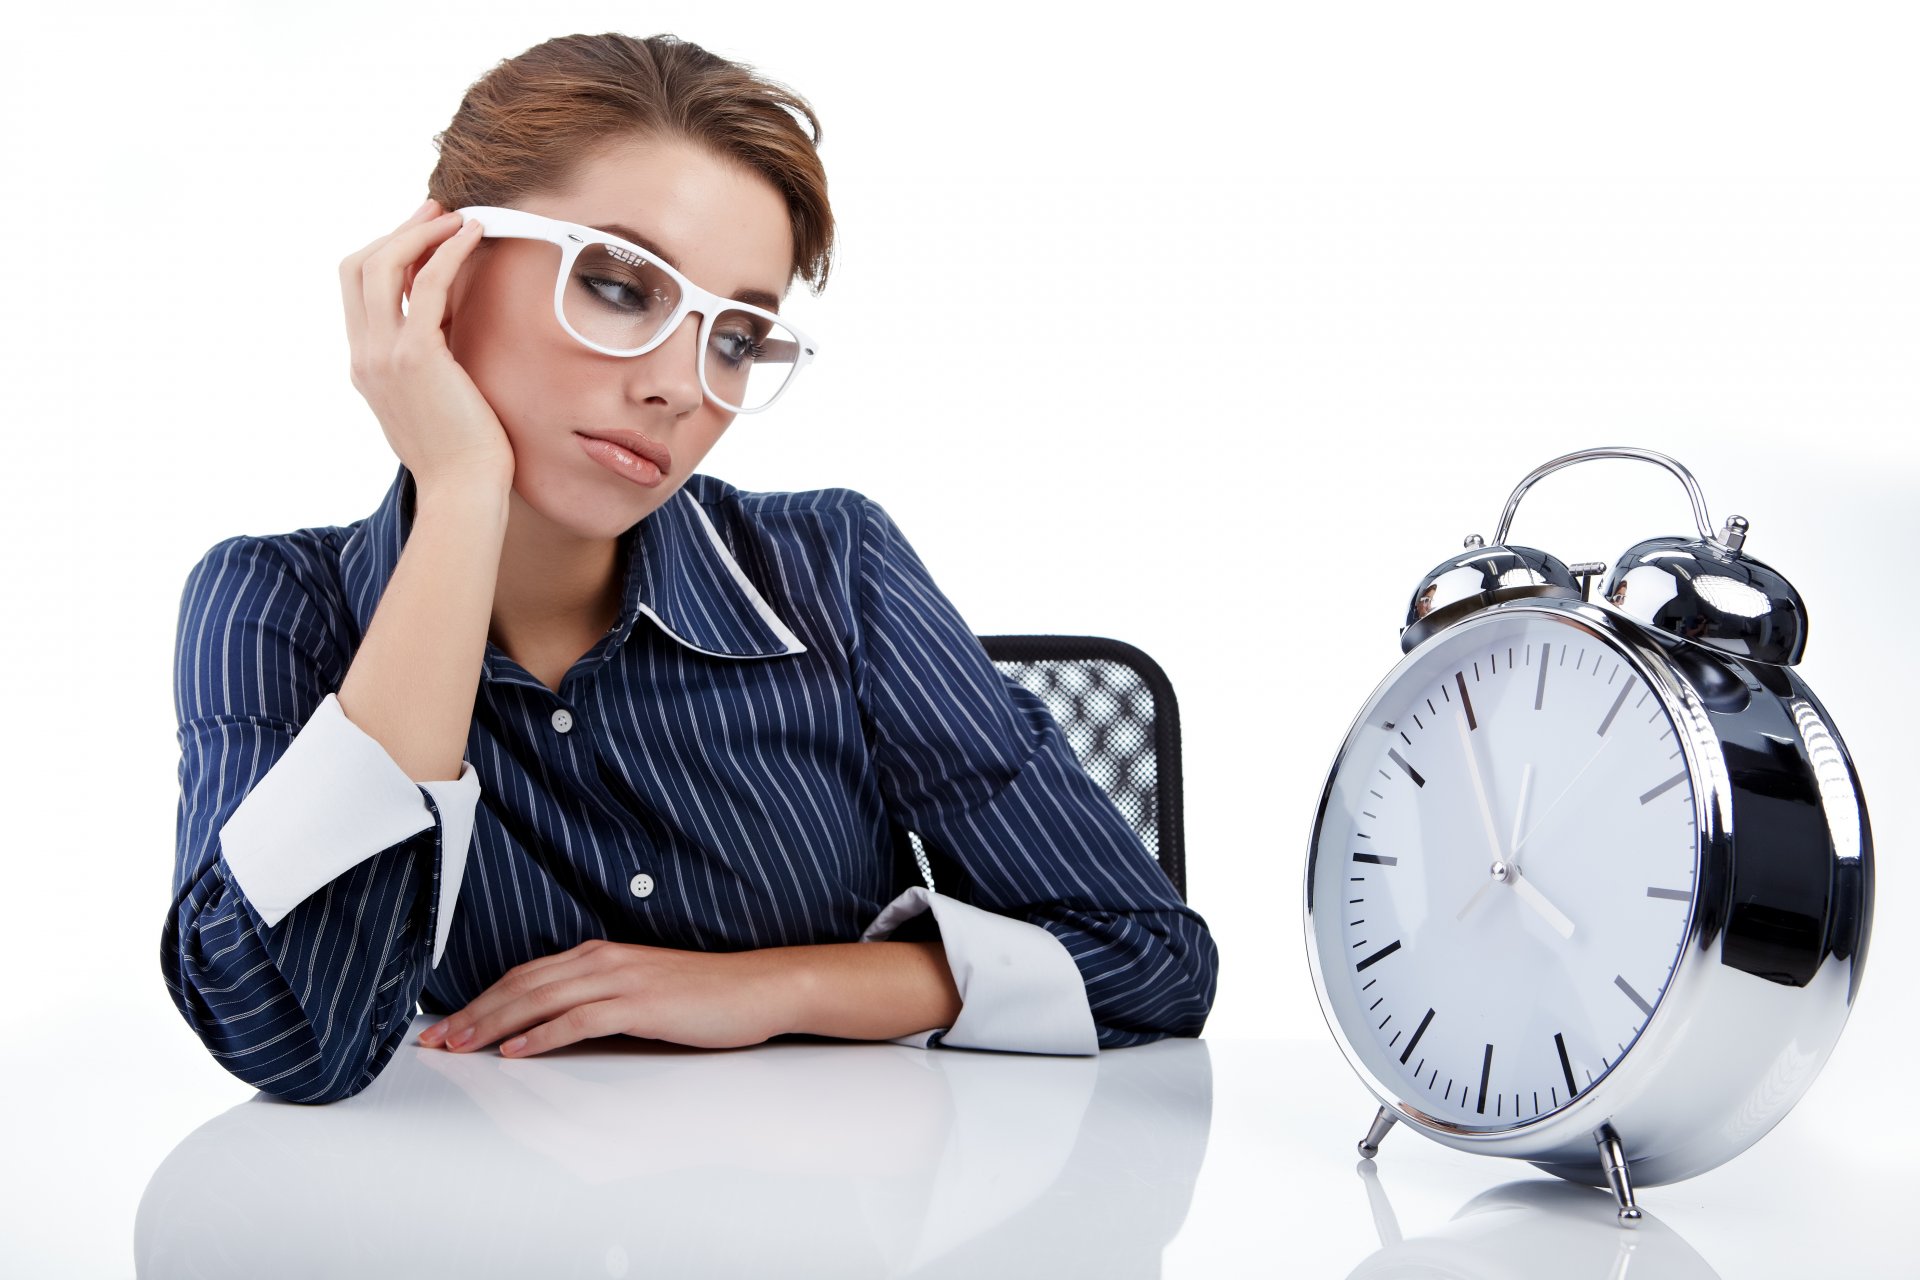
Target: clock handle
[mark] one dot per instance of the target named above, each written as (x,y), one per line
(1731,537)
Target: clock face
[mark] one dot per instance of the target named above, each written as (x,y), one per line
(1503,870)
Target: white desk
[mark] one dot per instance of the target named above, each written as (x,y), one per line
(825,1158)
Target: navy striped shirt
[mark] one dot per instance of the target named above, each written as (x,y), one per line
(736,764)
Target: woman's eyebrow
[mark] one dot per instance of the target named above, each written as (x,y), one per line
(752,297)
(628,233)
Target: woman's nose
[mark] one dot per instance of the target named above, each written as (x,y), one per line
(670,373)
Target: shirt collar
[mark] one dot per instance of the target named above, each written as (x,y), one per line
(675,570)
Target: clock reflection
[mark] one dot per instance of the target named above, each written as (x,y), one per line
(1522,1230)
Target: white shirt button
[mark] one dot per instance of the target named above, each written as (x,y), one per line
(641,884)
(563,720)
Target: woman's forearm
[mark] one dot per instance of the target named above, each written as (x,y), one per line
(868,990)
(413,682)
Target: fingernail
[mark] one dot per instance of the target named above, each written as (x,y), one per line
(423,208)
(514,1045)
(433,1033)
(460,1038)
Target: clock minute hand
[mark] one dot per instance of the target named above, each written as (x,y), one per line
(1519,819)
(1486,814)
(1479,789)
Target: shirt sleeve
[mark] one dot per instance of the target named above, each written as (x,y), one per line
(314,880)
(1062,932)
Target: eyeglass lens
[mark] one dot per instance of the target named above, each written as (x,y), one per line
(619,301)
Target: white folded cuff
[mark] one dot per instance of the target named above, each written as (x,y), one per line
(333,800)
(1020,990)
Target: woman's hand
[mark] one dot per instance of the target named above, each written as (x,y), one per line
(434,417)
(710,999)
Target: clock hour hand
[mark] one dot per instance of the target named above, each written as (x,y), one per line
(1509,873)
(1538,901)
(1522,884)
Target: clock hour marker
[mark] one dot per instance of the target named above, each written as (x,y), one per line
(1381,954)
(1486,1069)
(1664,787)
(1625,689)
(1384,859)
(1402,762)
(1559,1042)
(1418,1032)
(1678,895)
(1633,995)
(1460,678)
(1397,758)
(1540,689)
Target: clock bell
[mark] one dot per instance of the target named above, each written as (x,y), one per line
(1706,589)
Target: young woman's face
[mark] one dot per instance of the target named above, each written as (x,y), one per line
(723,226)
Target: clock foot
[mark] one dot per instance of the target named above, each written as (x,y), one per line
(1613,1159)
(1370,1145)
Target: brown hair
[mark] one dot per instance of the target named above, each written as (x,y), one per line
(525,125)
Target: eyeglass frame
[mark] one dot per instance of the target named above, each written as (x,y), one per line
(501,222)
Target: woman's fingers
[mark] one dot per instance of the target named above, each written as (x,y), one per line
(382,272)
(513,985)
(427,298)
(509,1008)
(432,412)
(353,295)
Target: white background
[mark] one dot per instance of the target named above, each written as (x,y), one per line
(1206,331)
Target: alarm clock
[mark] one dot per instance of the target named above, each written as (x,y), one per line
(1591,880)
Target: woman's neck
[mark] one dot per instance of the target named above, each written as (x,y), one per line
(554,586)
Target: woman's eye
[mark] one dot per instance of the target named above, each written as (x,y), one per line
(737,348)
(624,295)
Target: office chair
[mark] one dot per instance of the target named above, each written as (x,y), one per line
(1117,710)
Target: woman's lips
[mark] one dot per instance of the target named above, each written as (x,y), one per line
(638,445)
(621,462)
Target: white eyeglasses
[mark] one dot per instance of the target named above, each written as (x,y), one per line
(622,300)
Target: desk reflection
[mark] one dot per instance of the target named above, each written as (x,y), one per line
(799,1157)
(1523,1230)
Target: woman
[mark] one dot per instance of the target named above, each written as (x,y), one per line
(702,719)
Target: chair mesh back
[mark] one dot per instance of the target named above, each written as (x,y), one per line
(1106,711)
(1117,710)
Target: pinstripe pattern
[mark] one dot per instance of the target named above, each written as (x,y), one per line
(786,694)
